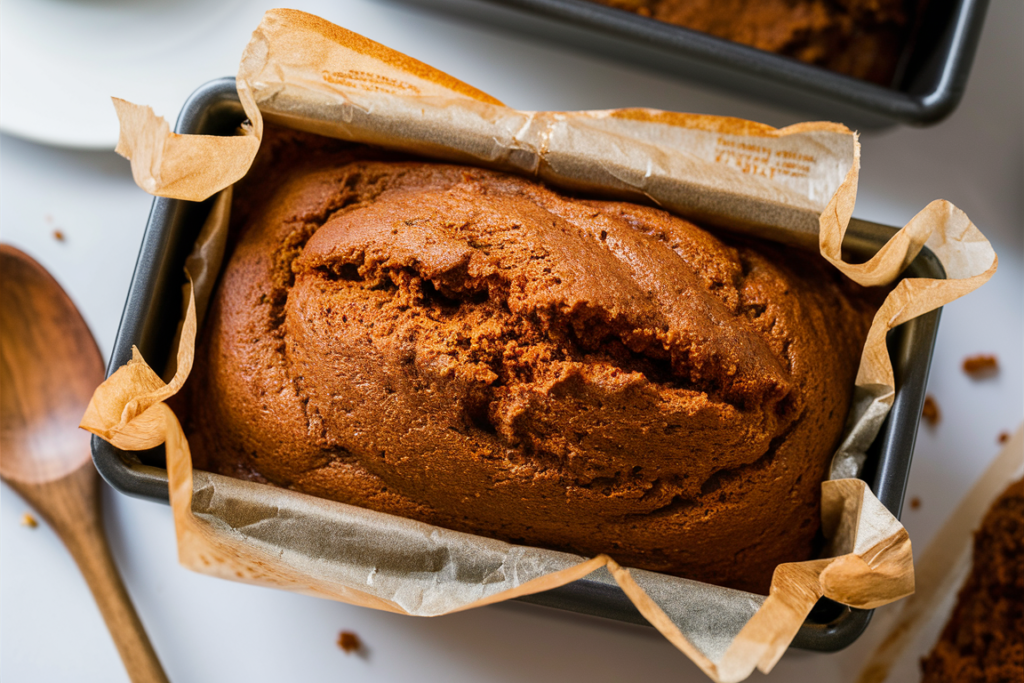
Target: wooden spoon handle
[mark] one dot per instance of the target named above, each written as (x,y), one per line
(83,535)
(129,636)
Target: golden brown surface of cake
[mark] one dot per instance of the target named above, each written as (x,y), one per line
(473,350)
(983,642)
(859,38)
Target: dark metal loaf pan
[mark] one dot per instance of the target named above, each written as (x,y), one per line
(154,305)
(929,82)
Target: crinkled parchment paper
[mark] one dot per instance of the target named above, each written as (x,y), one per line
(793,185)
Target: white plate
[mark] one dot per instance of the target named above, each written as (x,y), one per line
(62,60)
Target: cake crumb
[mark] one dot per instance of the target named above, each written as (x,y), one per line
(981,365)
(983,640)
(58,235)
(29,521)
(915,503)
(1003,437)
(349,642)
(930,412)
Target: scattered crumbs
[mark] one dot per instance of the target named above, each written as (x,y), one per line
(29,521)
(930,412)
(981,366)
(915,503)
(58,235)
(1003,437)
(349,642)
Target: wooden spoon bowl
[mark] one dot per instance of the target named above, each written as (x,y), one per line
(49,367)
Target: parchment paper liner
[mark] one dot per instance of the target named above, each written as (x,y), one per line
(942,569)
(787,184)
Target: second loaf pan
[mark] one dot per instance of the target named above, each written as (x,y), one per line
(154,305)
(929,81)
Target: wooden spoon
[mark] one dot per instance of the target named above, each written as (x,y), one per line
(49,367)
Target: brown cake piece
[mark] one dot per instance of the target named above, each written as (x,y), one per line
(474,350)
(930,412)
(983,642)
(981,366)
(349,642)
(859,38)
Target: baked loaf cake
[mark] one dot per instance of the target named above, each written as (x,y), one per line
(983,642)
(474,350)
(859,38)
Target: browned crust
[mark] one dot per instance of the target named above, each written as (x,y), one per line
(474,350)
(385,54)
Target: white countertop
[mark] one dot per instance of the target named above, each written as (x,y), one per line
(208,630)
